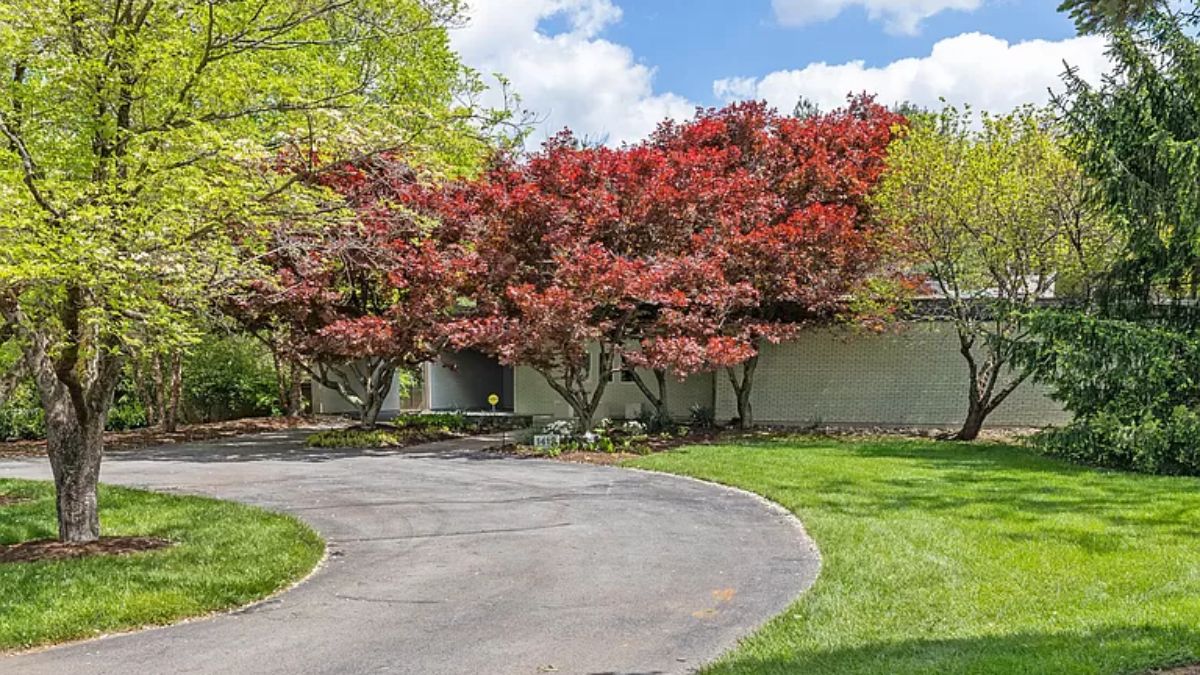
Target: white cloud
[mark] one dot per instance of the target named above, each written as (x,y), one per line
(986,72)
(571,79)
(900,16)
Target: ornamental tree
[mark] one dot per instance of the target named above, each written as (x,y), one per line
(998,221)
(133,132)
(550,265)
(782,233)
(353,302)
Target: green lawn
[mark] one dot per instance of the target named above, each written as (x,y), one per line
(944,558)
(226,555)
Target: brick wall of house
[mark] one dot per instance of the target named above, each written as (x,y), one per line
(913,376)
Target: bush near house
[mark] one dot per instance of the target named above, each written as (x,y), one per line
(402,431)
(1134,390)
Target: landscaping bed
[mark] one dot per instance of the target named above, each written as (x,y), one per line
(957,558)
(404,431)
(163,558)
(187,433)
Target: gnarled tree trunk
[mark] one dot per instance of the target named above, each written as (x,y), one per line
(75,444)
(662,413)
(742,388)
(984,394)
(365,385)
(572,385)
(76,382)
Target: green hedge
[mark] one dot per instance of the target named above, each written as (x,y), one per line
(1134,390)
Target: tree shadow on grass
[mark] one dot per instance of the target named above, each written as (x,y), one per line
(1004,485)
(1109,649)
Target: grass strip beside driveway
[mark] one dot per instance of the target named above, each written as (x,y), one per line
(225,555)
(941,558)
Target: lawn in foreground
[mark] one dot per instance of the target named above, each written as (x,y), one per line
(225,555)
(954,558)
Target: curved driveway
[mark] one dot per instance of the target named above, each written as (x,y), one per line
(445,560)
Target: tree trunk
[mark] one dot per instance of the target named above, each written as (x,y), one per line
(295,399)
(976,415)
(664,411)
(160,391)
(170,422)
(76,387)
(288,384)
(378,384)
(662,414)
(75,447)
(370,412)
(742,388)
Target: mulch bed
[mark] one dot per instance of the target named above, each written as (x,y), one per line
(52,549)
(652,446)
(188,433)
(658,444)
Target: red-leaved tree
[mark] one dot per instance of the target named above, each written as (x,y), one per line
(787,241)
(552,277)
(355,302)
(682,254)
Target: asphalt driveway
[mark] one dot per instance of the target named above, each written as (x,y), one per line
(446,560)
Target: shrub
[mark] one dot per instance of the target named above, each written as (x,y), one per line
(376,438)
(448,421)
(703,417)
(1134,390)
(229,377)
(1149,445)
(22,417)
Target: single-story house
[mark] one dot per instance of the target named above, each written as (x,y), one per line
(459,381)
(911,376)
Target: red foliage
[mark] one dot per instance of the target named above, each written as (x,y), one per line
(785,216)
(376,287)
(736,227)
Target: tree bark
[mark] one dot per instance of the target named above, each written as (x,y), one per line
(662,414)
(288,384)
(983,397)
(170,421)
(75,447)
(742,388)
(295,400)
(378,384)
(76,388)
(976,415)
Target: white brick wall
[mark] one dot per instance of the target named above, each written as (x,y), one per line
(912,377)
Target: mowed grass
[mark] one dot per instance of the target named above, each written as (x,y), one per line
(225,555)
(951,558)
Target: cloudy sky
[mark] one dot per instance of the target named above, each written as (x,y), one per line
(611,69)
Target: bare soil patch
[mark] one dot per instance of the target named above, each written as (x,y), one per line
(1193,669)
(12,500)
(188,433)
(52,549)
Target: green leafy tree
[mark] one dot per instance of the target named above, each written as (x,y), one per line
(1137,135)
(1126,367)
(1097,16)
(134,133)
(996,216)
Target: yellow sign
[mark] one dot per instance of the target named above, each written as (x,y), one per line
(493,399)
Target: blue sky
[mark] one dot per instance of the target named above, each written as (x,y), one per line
(691,43)
(612,69)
